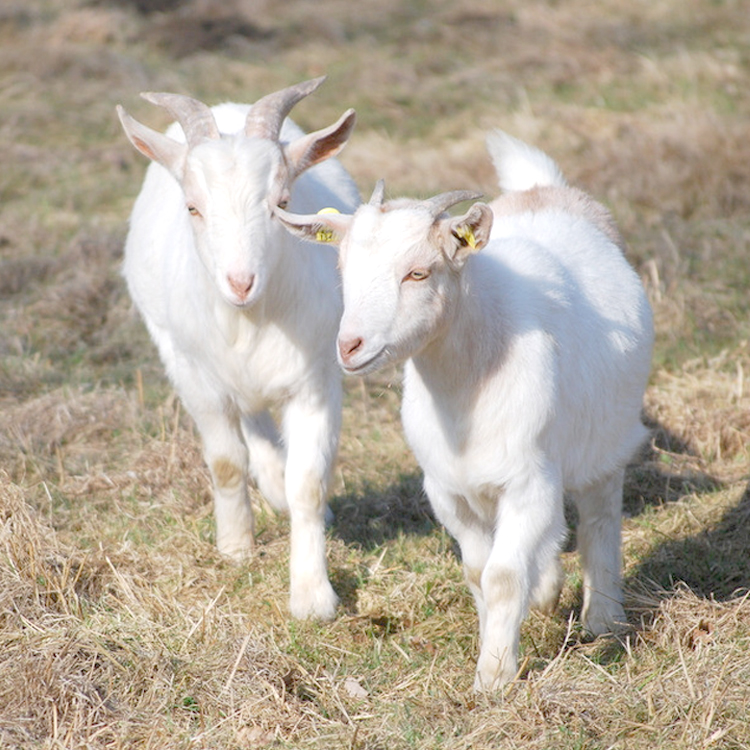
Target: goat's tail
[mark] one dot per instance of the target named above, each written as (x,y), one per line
(520,166)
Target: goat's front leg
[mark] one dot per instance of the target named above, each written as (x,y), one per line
(311,429)
(530,528)
(226,455)
(473,534)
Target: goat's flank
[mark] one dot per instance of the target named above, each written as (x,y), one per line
(526,365)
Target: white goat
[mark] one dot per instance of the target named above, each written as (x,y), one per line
(525,375)
(243,316)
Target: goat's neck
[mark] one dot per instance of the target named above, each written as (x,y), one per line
(469,345)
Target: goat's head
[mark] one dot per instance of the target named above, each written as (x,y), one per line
(400,263)
(232,183)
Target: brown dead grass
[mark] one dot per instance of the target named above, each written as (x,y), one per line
(121,627)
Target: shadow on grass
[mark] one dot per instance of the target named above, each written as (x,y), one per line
(665,471)
(372,516)
(713,564)
(368,519)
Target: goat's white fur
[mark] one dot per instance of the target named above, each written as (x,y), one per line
(245,317)
(525,373)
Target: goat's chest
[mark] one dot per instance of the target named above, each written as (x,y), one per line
(456,441)
(254,365)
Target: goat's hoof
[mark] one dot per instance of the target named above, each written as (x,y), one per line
(488,685)
(238,552)
(490,680)
(318,603)
(606,621)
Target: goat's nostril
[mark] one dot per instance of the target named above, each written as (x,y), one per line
(349,347)
(241,285)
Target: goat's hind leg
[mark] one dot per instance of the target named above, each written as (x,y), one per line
(599,542)
(546,593)
(473,536)
(267,457)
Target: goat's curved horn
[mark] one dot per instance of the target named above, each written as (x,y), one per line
(195,118)
(266,116)
(378,194)
(444,201)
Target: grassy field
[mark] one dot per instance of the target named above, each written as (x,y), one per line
(121,626)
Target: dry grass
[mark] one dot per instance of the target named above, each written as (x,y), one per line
(121,627)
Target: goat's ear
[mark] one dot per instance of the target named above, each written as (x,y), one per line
(156,146)
(311,149)
(461,236)
(327,227)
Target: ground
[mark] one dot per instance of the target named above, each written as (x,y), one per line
(122,627)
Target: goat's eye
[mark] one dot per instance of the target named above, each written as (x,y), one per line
(192,210)
(418,274)
(282,200)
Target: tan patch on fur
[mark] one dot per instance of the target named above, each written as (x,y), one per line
(473,576)
(501,586)
(568,199)
(309,494)
(226,474)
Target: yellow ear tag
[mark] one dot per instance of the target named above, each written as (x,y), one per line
(325,234)
(467,235)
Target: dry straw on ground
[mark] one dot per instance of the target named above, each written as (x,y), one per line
(121,627)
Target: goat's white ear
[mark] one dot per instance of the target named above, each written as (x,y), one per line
(156,146)
(464,235)
(311,149)
(327,227)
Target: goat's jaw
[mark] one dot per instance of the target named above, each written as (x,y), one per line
(365,363)
(241,304)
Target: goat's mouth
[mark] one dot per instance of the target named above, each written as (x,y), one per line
(243,304)
(373,363)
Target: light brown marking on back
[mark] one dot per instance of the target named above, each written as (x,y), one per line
(553,197)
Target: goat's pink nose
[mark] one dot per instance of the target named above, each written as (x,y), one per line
(348,347)
(241,285)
